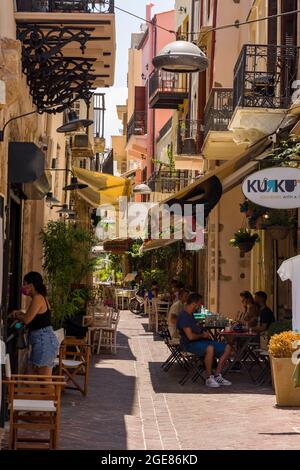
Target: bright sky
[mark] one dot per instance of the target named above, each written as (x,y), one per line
(125,25)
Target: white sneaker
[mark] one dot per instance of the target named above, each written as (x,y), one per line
(211,382)
(221,381)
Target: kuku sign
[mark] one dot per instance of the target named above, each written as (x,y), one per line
(276,188)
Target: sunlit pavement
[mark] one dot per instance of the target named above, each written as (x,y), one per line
(133,404)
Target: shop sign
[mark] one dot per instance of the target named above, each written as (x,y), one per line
(276,188)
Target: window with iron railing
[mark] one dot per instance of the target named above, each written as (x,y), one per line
(137,124)
(264,76)
(189,137)
(218,110)
(171,181)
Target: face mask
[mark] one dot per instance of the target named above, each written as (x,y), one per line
(24,291)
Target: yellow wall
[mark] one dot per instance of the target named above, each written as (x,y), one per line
(118,146)
(134,77)
(229,274)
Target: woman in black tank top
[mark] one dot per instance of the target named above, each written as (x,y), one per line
(44,344)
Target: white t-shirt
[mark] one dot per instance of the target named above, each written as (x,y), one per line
(175,309)
(290,269)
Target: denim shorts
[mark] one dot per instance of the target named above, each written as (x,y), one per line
(200,347)
(44,347)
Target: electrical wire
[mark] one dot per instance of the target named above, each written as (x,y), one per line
(217,28)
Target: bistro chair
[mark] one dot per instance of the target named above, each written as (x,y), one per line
(73,362)
(162,310)
(108,334)
(100,320)
(34,408)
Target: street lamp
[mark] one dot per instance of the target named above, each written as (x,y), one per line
(181,57)
(142,189)
(73,123)
(75,185)
(50,199)
(65,210)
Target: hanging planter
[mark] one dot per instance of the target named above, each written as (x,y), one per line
(278,232)
(279,223)
(244,239)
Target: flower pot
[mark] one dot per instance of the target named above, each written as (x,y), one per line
(247,246)
(282,374)
(278,232)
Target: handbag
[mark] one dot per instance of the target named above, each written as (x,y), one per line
(22,340)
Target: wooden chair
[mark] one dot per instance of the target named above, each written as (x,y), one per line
(73,362)
(108,334)
(100,320)
(151,311)
(34,406)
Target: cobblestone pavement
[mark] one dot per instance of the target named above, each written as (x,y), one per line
(132,404)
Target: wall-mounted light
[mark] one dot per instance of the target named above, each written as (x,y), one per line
(50,199)
(65,210)
(73,123)
(75,185)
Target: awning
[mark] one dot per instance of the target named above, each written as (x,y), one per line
(117,245)
(208,190)
(26,169)
(102,188)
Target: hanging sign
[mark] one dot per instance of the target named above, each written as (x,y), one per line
(276,188)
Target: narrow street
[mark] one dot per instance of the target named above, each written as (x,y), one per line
(132,404)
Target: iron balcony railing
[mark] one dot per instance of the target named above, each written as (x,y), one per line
(218,110)
(170,181)
(264,76)
(189,137)
(68,6)
(137,124)
(166,82)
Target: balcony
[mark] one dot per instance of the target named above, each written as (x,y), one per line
(137,124)
(189,138)
(66,6)
(263,89)
(167,90)
(218,140)
(169,182)
(68,49)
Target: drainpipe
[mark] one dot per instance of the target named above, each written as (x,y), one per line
(213,47)
(217,257)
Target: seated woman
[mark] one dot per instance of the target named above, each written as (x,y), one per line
(197,341)
(250,314)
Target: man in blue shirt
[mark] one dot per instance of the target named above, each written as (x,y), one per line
(197,341)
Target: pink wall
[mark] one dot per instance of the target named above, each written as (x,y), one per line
(156,118)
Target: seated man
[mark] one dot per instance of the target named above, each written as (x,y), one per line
(197,341)
(266,316)
(175,309)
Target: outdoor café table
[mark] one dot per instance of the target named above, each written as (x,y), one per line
(241,350)
(214,331)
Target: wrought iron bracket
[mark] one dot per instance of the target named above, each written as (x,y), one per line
(55,81)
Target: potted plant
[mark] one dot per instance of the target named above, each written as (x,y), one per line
(281,349)
(254,214)
(244,239)
(279,222)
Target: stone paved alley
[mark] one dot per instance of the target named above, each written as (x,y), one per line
(132,404)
